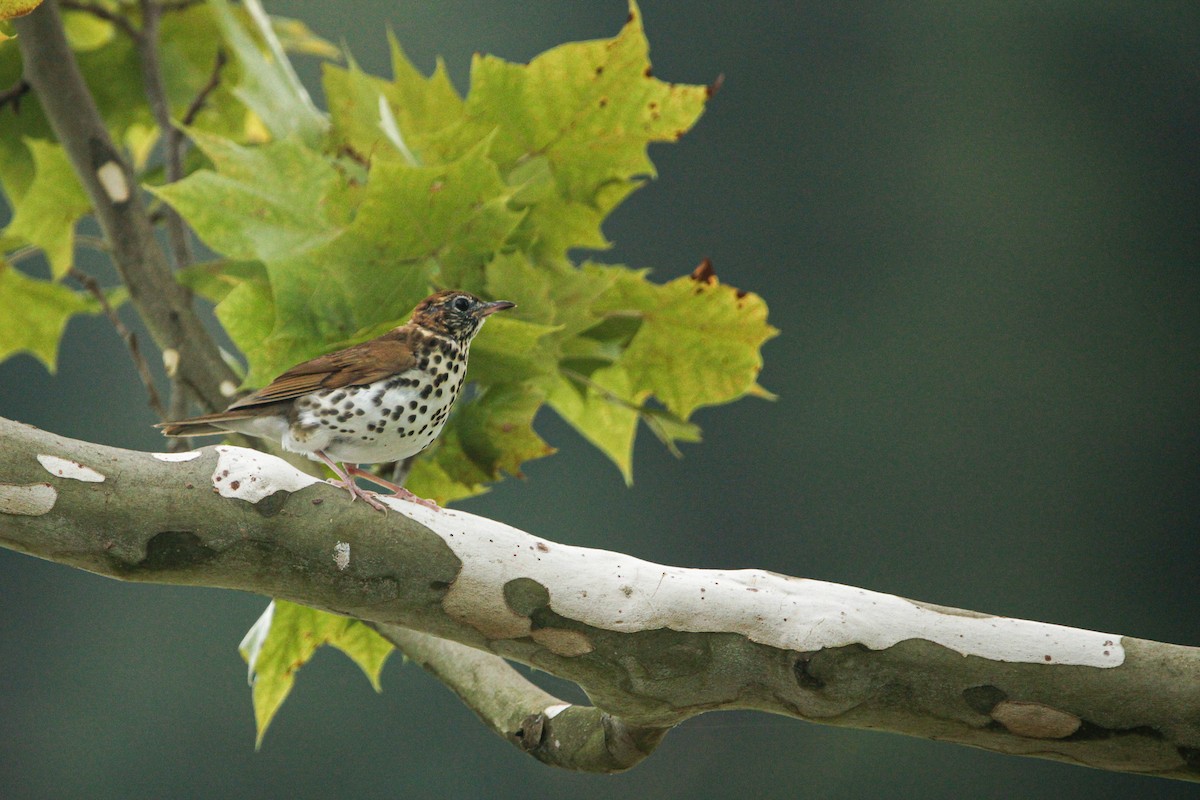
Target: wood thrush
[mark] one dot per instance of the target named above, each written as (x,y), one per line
(383,400)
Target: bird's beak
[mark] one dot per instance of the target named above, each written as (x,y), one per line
(491,308)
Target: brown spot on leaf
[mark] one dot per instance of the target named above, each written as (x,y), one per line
(235,485)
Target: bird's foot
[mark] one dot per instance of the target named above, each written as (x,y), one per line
(405,494)
(397,490)
(369,497)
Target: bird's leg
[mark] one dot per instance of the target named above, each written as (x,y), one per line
(396,489)
(346,482)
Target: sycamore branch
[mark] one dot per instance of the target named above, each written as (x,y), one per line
(651,645)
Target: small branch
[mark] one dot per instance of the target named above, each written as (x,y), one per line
(156,94)
(13,94)
(214,80)
(536,722)
(22,253)
(100,12)
(128,336)
(94,242)
(164,306)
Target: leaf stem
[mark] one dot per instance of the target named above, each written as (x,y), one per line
(156,94)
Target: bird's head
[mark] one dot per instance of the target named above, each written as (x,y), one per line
(458,315)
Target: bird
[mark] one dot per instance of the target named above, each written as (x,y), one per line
(382,400)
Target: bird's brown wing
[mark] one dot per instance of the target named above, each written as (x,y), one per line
(357,365)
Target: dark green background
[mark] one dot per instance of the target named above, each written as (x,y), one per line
(977,227)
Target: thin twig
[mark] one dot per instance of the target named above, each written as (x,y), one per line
(94,242)
(22,253)
(13,94)
(202,96)
(127,335)
(100,12)
(156,94)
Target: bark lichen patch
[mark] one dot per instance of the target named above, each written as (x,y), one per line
(251,476)
(66,468)
(563,642)
(27,499)
(1035,720)
(175,457)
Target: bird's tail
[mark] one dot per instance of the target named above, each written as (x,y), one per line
(207,425)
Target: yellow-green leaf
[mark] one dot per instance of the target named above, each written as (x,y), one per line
(285,638)
(35,314)
(595,405)
(699,343)
(420,107)
(46,215)
(589,109)
(259,202)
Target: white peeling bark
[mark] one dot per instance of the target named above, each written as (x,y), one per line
(651,644)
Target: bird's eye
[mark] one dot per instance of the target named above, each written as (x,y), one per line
(462,303)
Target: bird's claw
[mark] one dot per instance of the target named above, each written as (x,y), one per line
(369,497)
(372,498)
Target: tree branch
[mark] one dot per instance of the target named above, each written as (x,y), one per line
(551,730)
(651,645)
(198,102)
(164,305)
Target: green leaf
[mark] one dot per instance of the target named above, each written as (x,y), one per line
(261,202)
(46,215)
(214,280)
(589,109)
(420,107)
(296,37)
(417,188)
(269,86)
(35,314)
(509,349)
(595,405)
(699,343)
(285,638)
